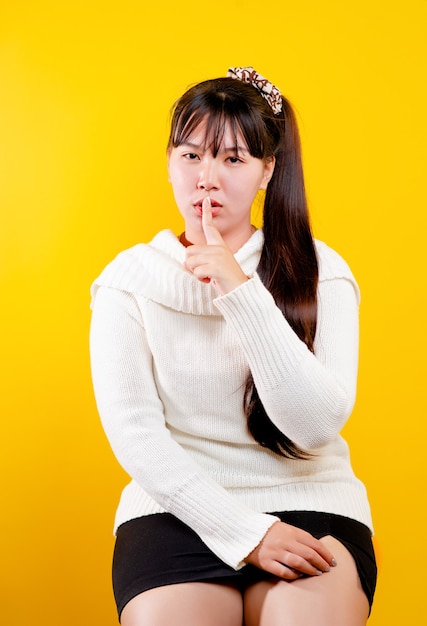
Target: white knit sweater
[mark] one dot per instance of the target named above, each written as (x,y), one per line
(169,362)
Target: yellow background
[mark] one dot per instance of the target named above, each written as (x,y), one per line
(85,92)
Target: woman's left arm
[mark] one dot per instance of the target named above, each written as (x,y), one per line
(307,396)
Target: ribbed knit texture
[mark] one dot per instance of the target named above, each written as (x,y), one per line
(169,362)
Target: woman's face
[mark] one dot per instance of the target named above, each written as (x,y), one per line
(230,178)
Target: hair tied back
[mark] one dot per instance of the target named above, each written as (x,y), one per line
(267,90)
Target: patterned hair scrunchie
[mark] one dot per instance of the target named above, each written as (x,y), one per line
(265,88)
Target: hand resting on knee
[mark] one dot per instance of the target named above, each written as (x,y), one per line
(289,552)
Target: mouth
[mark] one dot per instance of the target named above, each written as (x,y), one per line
(215,207)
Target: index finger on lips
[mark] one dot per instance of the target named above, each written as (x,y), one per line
(207,218)
(212,235)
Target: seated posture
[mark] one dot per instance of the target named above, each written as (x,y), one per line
(224,364)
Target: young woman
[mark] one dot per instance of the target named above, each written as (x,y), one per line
(224,365)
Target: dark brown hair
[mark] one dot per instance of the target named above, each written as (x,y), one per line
(288,263)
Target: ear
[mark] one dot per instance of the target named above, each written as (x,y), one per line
(269,165)
(168,156)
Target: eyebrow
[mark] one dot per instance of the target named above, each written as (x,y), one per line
(195,146)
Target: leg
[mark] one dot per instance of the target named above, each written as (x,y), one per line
(335,598)
(186,604)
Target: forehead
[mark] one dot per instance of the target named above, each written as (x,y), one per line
(215,134)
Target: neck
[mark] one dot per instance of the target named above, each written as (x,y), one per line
(234,241)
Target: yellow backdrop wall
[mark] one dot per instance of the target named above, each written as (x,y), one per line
(85,92)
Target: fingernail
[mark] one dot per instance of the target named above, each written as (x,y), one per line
(334,563)
(319,572)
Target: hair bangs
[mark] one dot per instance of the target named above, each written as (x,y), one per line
(218,112)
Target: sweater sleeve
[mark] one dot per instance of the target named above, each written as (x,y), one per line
(132,416)
(307,396)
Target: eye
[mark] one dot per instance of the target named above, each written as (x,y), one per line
(234,159)
(191,156)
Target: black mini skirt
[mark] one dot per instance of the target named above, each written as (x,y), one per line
(157,550)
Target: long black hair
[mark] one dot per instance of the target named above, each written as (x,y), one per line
(288,263)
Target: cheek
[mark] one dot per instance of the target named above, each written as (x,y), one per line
(178,183)
(182,178)
(249,189)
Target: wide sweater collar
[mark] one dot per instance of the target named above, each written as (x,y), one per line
(155,271)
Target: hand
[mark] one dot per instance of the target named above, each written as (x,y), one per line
(214,262)
(289,552)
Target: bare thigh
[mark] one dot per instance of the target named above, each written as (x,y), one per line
(186,604)
(335,598)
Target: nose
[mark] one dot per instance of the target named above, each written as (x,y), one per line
(208,177)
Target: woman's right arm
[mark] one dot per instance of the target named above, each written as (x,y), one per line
(132,415)
(133,418)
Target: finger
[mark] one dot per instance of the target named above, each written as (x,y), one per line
(201,272)
(299,564)
(288,573)
(313,557)
(322,551)
(212,235)
(314,550)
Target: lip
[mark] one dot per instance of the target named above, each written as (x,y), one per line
(214,204)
